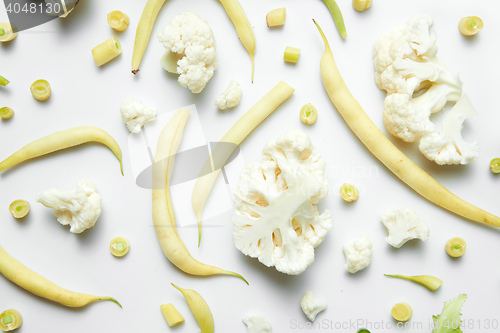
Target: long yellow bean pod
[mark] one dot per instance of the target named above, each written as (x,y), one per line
(33,282)
(143,32)
(163,211)
(62,140)
(242,25)
(240,130)
(384,149)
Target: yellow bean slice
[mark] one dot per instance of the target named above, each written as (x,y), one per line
(118,20)
(361,5)
(495,165)
(308,114)
(106,51)
(402,311)
(10,320)
(276,17)
(119,246)
(6,32)
(171,314)
(470,25)
(291,54)
(349,192)
(19,208)
(6,113)
(456,247)
(40,89)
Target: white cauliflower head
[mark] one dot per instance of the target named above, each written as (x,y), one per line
(311,306)
(418,84)
(231,97)
(79,208)
(257,324)
(358,254)
(276,219)
(189,35)
(135,114)
(403,225)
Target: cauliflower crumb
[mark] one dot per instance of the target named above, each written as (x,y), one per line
(135,114)
(231,97)
(311,305)
(257,324)
(403,225)
(79,208)
(189,35)
(358,254)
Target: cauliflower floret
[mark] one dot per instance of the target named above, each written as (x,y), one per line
(406,63)
(79,208)
(358,254)
(403,225)
(135,114)
(276,219)
(257,324)
(418,84)
(189,35)
(448,146)
(231,97)
(311,306)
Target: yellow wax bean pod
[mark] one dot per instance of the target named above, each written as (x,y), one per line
(33,282)
(163,211)
(199,308)
(143,32)
(242,25)
(62,140)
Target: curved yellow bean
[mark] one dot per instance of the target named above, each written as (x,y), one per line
(240,130)
(143,32)
(62,140)
(199,308)
(384,149)
(25,278)
(242,25)
(163,211)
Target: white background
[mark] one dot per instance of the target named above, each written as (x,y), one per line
(84,94)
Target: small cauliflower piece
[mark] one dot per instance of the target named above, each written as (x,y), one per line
(79,208)
(189,35)
(231,97)
(257,324)
(276,219)
(403,225)
(448,146)
(358,254)
(135,114)
(311,306)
